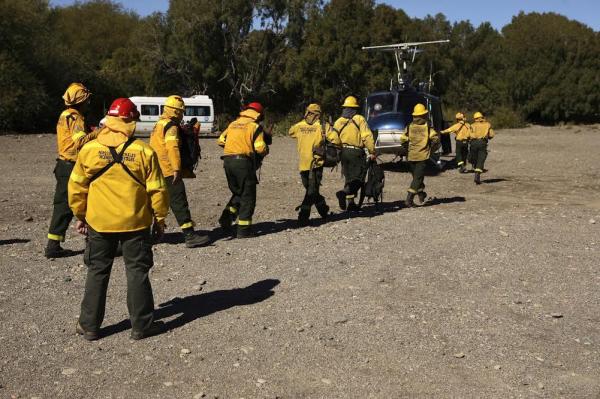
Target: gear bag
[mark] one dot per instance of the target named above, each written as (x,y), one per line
(189,146)
(329,152)
(375,182)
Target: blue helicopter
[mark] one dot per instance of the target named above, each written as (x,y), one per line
(389,112)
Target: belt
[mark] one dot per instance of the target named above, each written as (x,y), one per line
(481,139)
(66,160)
(352,146)
(236,157)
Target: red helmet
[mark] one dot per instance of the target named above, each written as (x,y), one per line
(255,106)
(124,108)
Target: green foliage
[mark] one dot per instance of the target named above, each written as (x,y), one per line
(288,53)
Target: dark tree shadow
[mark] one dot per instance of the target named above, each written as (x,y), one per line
(194,307)
(14,241)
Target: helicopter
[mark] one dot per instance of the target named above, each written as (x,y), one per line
(389,112)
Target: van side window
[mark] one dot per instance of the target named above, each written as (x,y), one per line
(197,110)
(150,110)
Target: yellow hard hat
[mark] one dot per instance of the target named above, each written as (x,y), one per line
(76,93)
(350,102)
(477,115)
(313,109)
(175,102)
(460,116)
(419,110)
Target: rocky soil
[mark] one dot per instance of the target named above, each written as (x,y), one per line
(488,291)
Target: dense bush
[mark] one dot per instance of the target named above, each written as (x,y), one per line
(540,68)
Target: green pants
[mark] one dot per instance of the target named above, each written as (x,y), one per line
(311,180)
(61,214)
(417,169)
(99,255)
(241,179)
(479,154)
(179,203)
(462,152)
(354,168)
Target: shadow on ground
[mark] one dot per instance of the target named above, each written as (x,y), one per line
(194,307)
(14,241)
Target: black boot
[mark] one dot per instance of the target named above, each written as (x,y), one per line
(194,240)
(462,169)
(245,232)
(422,197)
(226,219)
(341,196)
(54,250)
(304,218)
(323,210)
(155,328)
(410,200)
(477,177)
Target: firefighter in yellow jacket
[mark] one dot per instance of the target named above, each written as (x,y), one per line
(165,141)
(422,141)
(117,192)
(244,148)
(481,134)
(71,135)
(462,130)
(355,137)
(310,134)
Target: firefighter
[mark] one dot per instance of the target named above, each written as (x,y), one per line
(310,134)
(355,136)
(117,192)
(244,148)
(422,141)
(165,141)
(71,135)
(462,130)
(481,133)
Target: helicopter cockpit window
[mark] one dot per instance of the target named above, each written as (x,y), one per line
(379,104)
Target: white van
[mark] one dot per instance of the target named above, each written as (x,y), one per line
(199,107)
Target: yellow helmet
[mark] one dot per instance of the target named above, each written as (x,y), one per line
(460,116)
(313,109)
(419,110)
(350,102)
(76,93)
(477,115)
(175,102)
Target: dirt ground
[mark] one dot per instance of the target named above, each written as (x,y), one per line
(489,291)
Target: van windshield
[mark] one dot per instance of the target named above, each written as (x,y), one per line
(197,110)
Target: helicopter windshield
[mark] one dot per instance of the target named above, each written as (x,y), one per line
(380,104)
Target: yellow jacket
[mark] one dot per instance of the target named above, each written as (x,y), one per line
(461,129)
(419,141)
(310,136)
(166,144)
(356,133)
(115,202)
(71,134)
(237,138)
(482,130)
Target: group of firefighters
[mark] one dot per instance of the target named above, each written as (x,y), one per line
(120,189)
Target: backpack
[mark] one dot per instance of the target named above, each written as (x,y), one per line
(373,188)
(189,145)
(329,152)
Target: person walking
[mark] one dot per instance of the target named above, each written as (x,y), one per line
(355,137)
(462,131)
(422,141)
(310,134)
(481,134)
(244,148)
(165,141)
